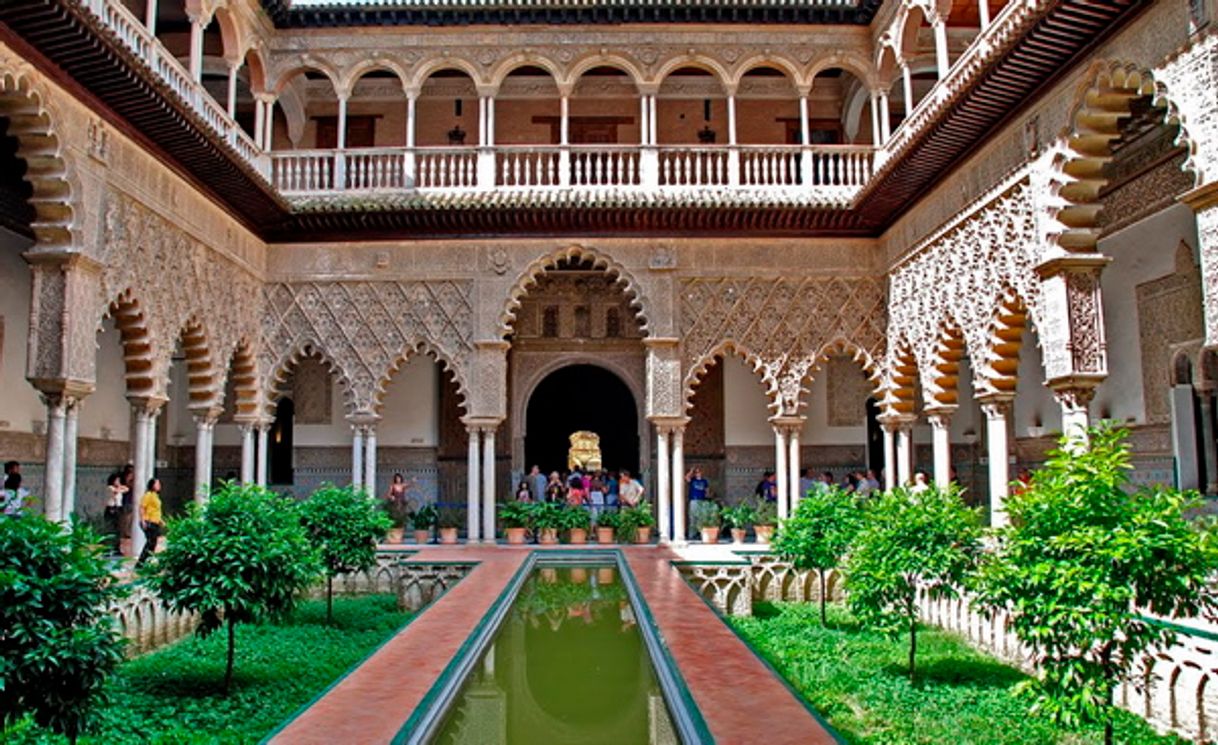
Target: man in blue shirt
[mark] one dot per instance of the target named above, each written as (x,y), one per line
(699,487)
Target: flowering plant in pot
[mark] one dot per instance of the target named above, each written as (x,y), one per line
(449,519)
(705,517)
(636,522)
(517,517)
(422,521)
(739,517)
(606,523)
(548,519)
(764,521)
(399,514)
(577,521)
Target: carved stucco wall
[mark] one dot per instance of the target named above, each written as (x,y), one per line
(1169,314)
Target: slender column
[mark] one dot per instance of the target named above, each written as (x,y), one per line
(663,481)
(678,483)
(54,478)
(357,456)
(905,453)
(370,460)
(259,118)
(564,141)
(907,89)
(780,470)
(473,487)
(1208,445)
(996,410)
(153,418)
(481,120)
(231,107)
(644,119)
(731,120)
(653,120)
(263,429)
(150,13)
(269,122)
(340,157)
(205,424)
(409,162)
(488,484)
(70,429)
(247,453)
(940,426)
(885,125)
(142,470)
(733,153)
(941,58)
(196,49)
(890,456)
(1075,417)
(983,13)
(875,119)
(793,466)
(805,127)
(490,121)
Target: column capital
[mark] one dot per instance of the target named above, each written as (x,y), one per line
(492,345)
(787,423)
(940,416)
(481,424)
(207,415)
(893,422)
(1086,262)
(996,405)
(669,424)
(147,404)
(72,391)
(1074,393)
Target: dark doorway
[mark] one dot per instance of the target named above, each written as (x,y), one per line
(875,437)
(280,450)
(581,397)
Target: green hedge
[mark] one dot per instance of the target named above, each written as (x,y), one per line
(857,680)
(174,695)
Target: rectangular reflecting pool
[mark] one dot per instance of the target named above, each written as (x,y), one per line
(569,663)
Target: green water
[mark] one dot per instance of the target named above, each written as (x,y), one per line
(568,666)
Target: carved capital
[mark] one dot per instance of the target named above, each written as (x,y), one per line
(1074,393)
(996,405)
(940,417)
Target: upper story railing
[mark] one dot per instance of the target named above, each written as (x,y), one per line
(836,171)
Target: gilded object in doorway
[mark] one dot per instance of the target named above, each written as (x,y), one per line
(585,451)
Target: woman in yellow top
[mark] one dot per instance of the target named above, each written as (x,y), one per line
(150,519)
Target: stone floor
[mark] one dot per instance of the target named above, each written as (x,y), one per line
(741,700)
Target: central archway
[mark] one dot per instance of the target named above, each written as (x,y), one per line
(581,397)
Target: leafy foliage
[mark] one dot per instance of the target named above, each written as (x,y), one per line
(909,538)
(450,517)
(818,535)
(767,513)
(345,526)
(739,516)
(549,515)
(855,678)
(425,517)
(630,519)
(57,643)
(1081,561)
(609,519)
(704,513)
(515,514)
(241,559)
(574,518)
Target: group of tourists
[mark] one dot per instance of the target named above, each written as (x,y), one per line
(120,496)
(14,497)
(595,489)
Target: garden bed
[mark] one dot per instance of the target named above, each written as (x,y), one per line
(174,695)
(858,681)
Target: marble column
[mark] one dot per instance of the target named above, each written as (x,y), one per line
(885,118)
(678,479)
(780,470)
(150,14)
(793,467)
(53,479)
(143,461)
(1075,401)
(663,481)
(890,455)
(473,485)
(357,456)
(247,453)
(205,432)
(196,49)
(263,430)
(70,428)
(231,99)
(1209,447)
(488,484)
(907,89)
(370,460)
(941,59)
(875,119)
(941,430)
(905,452)
(996,410)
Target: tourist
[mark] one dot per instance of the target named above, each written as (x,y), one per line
(920,482)
(397,490)
(872,481)
(116,491)
(537,484)
(576,496)
(596,493)
(523,492)
(629,491)
(611,490)
(151,521)
(767,488)
(11,468)
(555,491)
(807,484)
(124,523)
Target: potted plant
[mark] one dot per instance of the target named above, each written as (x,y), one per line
(763,522)
(636,523)
(548,519)
(517,517)
(739,517)
(577,521)
(705,516)
(422,521)
(449,519)
(606,523)
(399,515)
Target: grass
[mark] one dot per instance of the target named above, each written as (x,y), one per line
(173,696)
(858,681)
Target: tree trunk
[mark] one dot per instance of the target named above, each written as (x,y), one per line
(1108,733)
(824,619)
(913,641)
(232,646)
(329,600)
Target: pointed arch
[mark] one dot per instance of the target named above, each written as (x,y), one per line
(282,370)
(36,129)
(138,363)
(721,351)
(998,369)
(201,378)
(425,348)
(941,378)
(598,260)
(243,375)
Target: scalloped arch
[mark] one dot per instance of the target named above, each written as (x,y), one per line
(49,172)
(721,351)
(603,262)
(427,349)
(999,371)
(138,364)
(202,387)
(287,362)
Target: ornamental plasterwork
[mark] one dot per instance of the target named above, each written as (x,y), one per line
(783,326)
(175,279)
(957,282)
(366,330)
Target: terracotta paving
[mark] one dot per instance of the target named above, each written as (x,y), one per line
(741,700)
(730,685)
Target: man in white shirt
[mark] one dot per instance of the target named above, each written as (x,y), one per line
(630,492)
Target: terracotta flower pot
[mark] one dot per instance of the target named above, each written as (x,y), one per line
(710,535)
(548,536)
(448,536)
(395,535)
(738,534)
(642,534)
(422,536)
(549,575)
(764,533)
(604,535)
(579,575)
(578,536)
(515,536)
(606,575)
